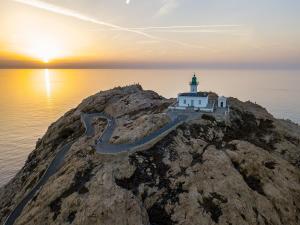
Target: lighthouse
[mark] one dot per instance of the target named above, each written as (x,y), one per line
(194,84)
(199,100)
(193,99)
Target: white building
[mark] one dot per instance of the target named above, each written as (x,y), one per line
(198,100)
(222,102)
(193,99)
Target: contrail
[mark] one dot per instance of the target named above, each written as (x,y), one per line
(188,27)
(221,28)
(67,12)
(71,13)
(195,31)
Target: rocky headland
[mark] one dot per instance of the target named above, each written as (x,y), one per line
(245,170)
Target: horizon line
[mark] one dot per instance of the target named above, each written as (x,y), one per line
(229,66)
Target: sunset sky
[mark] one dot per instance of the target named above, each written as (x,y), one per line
(120,33)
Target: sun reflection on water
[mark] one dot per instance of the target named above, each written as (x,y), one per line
(47,82)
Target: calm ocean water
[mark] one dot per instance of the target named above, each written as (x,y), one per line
(32,99)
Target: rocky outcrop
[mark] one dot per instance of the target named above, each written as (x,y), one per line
(130,130)
(244,171)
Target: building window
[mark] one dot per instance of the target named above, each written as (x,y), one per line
(184,101)
(199,102)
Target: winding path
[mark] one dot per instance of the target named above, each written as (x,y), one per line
(102,146)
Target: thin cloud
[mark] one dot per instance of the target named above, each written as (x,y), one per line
(71,13)
(189,27)
(217,28)
(167,7)
(196,31)
(233,29)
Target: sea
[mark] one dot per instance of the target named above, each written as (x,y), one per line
(32,99)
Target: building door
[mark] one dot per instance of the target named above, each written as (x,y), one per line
(222,104)
(192,103)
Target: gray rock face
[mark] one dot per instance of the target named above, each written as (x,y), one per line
(204,172)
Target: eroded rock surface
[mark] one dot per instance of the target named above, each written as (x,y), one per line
(130,130)
(244,171)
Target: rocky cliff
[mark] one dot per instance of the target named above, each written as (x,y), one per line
(242,171)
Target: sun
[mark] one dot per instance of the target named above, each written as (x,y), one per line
(44,49)
(45,52)
(45,60)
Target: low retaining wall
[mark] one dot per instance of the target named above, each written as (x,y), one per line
(195,109)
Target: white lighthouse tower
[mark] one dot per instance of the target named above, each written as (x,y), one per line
(194,84)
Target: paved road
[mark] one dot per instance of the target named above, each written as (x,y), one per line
(102,146)
(52,169)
